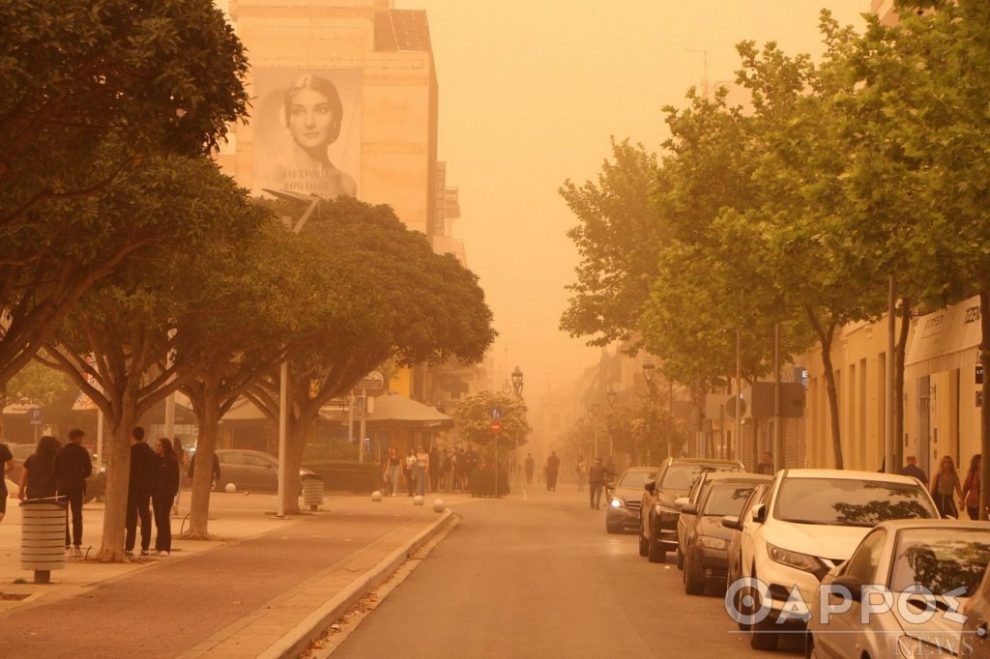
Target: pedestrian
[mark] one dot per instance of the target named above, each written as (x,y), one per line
(971,487)
(423,470)
(766,464)
(73,465)
(412,467)
(450,471)
(470,463)
(5,457)
(552,469)
(609,469)
(166,487)
(38,472)
(215,476)
(946,483)
(140,488)
(436,467)
(912,469)
(180,455)
(530,466)
(581,469)
(596,481)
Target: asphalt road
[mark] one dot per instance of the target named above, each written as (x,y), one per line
(541,578)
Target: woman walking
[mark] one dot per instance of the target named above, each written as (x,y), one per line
(945,484)
(166,487)
(971,487)
(392,468)
(38,472)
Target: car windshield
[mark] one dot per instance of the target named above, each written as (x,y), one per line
(682,476)
(850,502)
(726,499)
(941,561)
(634,479)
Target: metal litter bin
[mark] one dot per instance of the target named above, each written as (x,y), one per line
(312,490)
(43,537)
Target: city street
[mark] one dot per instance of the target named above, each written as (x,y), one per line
(539,578)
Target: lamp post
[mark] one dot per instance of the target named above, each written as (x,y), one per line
(517,389)
(595,407)
(611,395)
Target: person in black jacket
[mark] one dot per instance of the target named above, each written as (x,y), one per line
(73,465)
(5,457)
(38,471)
(144,469)
(166,487)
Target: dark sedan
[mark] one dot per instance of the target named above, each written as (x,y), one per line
(706,541)
(249,470)
(622,511)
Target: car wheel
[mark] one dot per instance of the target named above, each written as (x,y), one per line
(680,559)
(763,634)
(694,581)
(656,553)
(738,604)
(644,546)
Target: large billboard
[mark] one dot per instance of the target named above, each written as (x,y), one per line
(307,131)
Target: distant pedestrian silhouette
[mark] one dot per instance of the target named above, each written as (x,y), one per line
(553,468)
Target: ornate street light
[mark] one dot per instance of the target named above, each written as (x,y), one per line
(649,372)
(611,395)
(517,382)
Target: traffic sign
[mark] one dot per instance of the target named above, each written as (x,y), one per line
(496,427)
(374,381)
(36,416)
(496,413)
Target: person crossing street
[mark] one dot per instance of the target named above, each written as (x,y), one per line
(596,481)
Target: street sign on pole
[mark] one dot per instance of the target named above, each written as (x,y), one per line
(496,427)
(36,419)
(374,381)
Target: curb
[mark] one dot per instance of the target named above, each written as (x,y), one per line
(300,637)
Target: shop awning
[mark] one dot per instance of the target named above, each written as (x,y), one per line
(397,411)
(940,339)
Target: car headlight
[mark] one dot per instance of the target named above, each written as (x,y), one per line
(910,647)
(793,559)
(712,543)
(617,503)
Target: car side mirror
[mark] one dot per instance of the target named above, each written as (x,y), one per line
(732,522)
(680,502)
(650,487)
(689,509)
(760,513)
(851,584)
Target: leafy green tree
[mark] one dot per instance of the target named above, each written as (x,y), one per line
(116,342)
(473,420)
(91,90)
(378,291)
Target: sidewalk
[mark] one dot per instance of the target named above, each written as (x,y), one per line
(255,592)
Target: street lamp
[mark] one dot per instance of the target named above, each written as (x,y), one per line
(517,382)
(649,372)
(611,395)
(594,424)
(517,388)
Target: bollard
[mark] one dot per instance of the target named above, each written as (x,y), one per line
(43,537)
(312,490)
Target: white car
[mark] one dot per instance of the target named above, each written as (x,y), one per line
(807,522)
(924,569)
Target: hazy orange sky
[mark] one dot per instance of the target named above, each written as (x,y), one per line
(531,92)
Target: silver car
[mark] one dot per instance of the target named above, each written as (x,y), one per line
(901,591)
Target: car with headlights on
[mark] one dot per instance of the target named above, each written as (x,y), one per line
(924,569)
(658,513)
(622,511)
(706,541)
(807,522)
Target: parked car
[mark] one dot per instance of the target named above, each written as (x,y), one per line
(807,522)
(703,545)
(975,639)
(658,514)
(901,556)
(622,511)
(250,470)
(694,496)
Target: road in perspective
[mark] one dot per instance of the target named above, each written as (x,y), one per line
(476,328)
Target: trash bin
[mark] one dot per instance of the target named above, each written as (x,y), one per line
(312,486)
(42,537)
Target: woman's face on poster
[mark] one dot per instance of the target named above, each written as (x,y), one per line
(311,119)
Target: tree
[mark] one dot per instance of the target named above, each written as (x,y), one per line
(379,292)
(473,420)
(89,91)
(115,344)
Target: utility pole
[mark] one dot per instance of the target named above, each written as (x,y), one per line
(778,430)
(888,436)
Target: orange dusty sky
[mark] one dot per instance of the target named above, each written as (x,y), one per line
(530,93)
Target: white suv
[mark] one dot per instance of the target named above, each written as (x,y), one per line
(808,521)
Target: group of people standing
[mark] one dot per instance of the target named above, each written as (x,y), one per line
(59,472)
(438,470)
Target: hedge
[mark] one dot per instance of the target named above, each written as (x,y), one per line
(347,476)
(483,482)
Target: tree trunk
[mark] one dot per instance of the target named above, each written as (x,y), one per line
(209,429)
(985,408)
(118,480)
(825,336)
(899,356)
(293,461)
